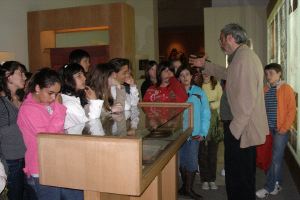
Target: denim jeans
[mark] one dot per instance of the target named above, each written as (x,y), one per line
(15,179)
(44,192)
(189,155)
(274,174)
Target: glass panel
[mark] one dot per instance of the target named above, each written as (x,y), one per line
(121,124)
(157,126)
(162,137)
(138,123)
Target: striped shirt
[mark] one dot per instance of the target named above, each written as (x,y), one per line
(271,106)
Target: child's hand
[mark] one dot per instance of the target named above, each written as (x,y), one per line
(194,61)
(118,117)
(131,132)
(129,80)
(90,94)
(117,108)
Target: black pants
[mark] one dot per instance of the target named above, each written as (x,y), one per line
(240,168)
(207,157)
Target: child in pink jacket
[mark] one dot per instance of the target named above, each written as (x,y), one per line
(41,111)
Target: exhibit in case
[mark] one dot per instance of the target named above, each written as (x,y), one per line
(130,155)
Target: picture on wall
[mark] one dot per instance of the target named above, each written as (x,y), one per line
(283,40)
(143,63)
(277,41)
(272,47)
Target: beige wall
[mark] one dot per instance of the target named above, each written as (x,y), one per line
(13,22)
(253,19)
(146,30)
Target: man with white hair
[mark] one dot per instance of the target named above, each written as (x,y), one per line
(249,125)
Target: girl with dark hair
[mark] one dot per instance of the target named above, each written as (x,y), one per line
(201,117)
(125,81)
(41,111)
(12,79)
(167,88)
(208,149)
(101,78)
(150,76)
(74,87)
(81,57)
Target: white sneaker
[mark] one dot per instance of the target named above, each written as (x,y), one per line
(213,186)
(262,193)
(223,172)
(276,189)
(205,186)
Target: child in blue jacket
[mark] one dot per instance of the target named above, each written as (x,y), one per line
(201,117)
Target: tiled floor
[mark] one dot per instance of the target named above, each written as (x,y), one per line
(289,191)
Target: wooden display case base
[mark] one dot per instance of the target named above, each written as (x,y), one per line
(163,187)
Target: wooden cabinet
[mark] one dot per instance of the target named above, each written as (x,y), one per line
(132,155)
(117,18)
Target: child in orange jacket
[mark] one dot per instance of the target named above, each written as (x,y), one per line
(281,110)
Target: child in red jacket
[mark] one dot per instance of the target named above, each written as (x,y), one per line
(167,88)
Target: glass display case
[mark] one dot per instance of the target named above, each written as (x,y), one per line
(138,147)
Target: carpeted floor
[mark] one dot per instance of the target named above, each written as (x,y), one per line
(289,191)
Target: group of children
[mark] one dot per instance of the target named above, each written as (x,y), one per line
(206,93)
(170,82)
(50,102)
(53,101)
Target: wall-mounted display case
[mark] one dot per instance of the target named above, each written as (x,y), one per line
(131,155)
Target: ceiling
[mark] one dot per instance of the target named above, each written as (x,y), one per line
(179,13)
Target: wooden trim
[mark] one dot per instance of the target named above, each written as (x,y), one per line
(153,192)
(169,179)
(161,104)
(182,105)
(83,29)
